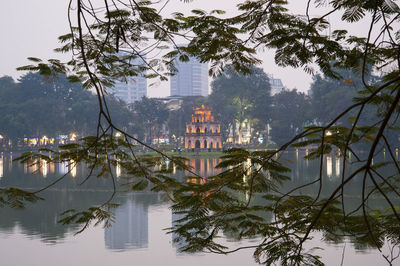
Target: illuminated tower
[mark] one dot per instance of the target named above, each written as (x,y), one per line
(203,133)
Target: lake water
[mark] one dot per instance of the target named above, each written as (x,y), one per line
(137,237)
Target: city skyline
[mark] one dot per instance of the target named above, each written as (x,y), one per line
(29,24)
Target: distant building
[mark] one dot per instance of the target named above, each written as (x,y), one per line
(276,84)
(203,133)
(134,89)
(173,102)
(191,79)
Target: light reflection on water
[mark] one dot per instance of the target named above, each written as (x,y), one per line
(72,167)
(1,166)
(329,166)
(118,170)
(137,229)
(337,166)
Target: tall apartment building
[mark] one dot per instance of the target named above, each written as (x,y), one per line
(191,79)
(276,84)
(134,89)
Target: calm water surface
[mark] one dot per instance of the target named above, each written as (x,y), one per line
(137,237)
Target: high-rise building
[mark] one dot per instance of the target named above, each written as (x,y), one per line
(276,85)
(191,78)
(134,89)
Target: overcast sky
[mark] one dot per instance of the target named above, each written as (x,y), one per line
(30,28)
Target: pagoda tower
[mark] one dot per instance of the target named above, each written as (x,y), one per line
(203,133)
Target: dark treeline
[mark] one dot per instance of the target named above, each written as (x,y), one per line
(36,106)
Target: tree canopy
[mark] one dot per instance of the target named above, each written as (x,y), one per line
(236,97)
(151,114)
(37,105)
(100,30)
(291,112)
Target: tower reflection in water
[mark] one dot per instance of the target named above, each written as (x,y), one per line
(204,167)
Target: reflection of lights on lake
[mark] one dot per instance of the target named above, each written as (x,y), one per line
(118,170)
(203,166)
(191,180)
(44,166)
(306,157)
(397,153)
(72,166)
(297,154)
(10,161)
(33,167)
(52,168)
(62,168)
(337,166)
(247,169)
(329,166)
(1,167)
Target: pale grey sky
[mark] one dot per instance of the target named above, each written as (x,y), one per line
(30,28)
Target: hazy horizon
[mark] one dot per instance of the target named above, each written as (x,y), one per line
(32,31)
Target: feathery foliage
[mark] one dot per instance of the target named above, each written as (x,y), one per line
(224,203)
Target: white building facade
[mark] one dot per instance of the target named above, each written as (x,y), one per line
(276,84)
(191,79)
(133,89)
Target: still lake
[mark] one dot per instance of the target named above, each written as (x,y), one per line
(137,237)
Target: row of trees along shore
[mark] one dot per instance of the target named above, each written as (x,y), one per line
(36,106)
(324,36)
